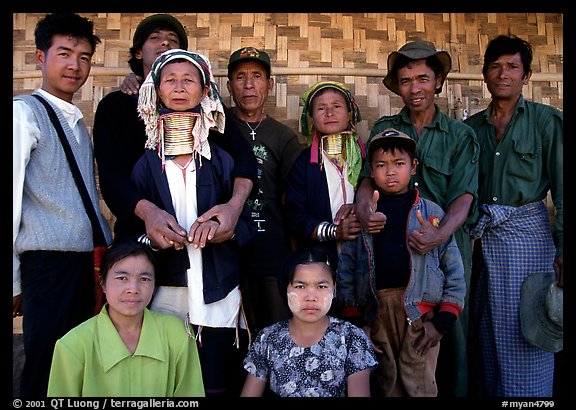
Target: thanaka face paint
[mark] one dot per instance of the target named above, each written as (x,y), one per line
(306,308)
(311,292)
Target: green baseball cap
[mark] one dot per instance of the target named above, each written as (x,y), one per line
(248,54)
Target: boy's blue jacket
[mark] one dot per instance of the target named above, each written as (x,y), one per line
(436,280)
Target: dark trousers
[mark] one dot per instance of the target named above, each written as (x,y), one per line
(221,359)
(58,294)
(453,373)
(262,302)
(452,368)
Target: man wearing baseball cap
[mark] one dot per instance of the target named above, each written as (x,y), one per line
(276,147)
(119,141)
(447,151)
(249,54)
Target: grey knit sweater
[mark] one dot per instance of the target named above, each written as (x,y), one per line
(53,215)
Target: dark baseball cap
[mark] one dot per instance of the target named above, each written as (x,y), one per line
(391,136)
(248,54)
(161,20)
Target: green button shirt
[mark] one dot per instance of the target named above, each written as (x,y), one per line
(91,360)
(447,153)
(528,160)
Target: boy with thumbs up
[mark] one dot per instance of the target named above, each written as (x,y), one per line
(405,301)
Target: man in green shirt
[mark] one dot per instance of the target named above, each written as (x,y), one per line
(521,151)
(447,152)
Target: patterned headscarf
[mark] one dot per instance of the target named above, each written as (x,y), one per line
(354,147)
(211,109)
(306,124)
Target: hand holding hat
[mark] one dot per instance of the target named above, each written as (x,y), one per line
(542,312)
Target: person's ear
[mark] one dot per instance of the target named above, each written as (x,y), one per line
(414,165)
(205,92)
(40,58)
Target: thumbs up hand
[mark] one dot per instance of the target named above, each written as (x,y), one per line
(374,202)
(427,237)
(376,220)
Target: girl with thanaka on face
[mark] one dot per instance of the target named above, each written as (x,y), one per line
(185,173)
(311,354)
(322,181)
(127,350)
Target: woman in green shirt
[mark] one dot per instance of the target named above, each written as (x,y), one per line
(127,350)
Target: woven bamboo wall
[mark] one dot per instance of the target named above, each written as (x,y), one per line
(307,47)
(351,48)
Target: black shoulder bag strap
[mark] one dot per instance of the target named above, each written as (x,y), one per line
(98,235)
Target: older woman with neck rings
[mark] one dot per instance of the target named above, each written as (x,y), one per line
(320,197)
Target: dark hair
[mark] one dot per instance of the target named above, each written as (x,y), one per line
(136,64)
(301,257)
(389,145)
(432,62)
(122,249)
(70,24)
(504,45)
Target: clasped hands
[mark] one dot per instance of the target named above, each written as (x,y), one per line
(214,226)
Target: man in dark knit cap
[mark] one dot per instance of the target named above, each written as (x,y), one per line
(119,139)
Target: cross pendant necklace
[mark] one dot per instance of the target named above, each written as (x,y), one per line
(253,130)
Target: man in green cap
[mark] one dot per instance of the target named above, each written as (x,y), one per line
(447,153)
(276,147)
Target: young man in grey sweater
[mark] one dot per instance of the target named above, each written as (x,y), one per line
(53,260)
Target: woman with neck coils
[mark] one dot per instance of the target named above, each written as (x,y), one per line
(320,196)
(186,174)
